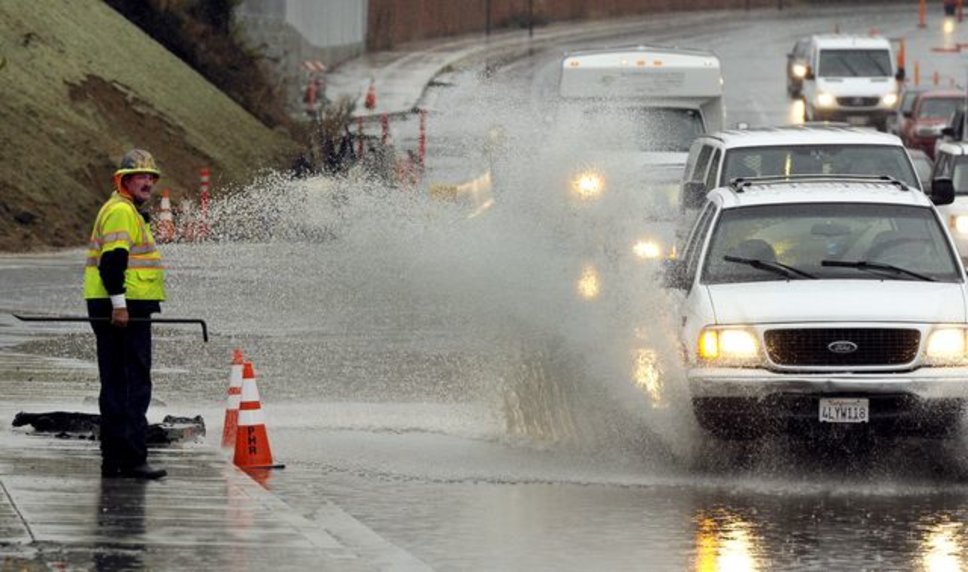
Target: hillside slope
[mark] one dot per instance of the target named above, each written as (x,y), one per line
(80,85)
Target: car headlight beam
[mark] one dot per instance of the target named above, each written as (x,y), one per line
(889,99)
(799,70)
(959,223)
(722,346)
(947,346)
(588,184)
(825,99)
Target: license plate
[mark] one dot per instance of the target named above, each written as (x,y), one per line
(857,119)
(844,410)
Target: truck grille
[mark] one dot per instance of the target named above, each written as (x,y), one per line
(858,346)
(857,101)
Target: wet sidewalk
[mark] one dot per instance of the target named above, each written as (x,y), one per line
(57,513)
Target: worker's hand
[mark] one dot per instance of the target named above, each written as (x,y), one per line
(119,317)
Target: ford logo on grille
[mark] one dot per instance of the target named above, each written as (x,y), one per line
(842,347)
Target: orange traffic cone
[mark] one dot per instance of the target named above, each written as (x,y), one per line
(251,442)
(370,101)
(231,425)
(166,224)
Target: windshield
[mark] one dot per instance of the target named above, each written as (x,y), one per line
(887,160)
(940,107)
(907,101)
(802,235)
(854,63)
(623,128)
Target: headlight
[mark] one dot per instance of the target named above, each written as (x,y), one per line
(825,99)
(799,70)
(889,99)
(946,346)
(647,249)
(959,224)
(729,347)
(588,184)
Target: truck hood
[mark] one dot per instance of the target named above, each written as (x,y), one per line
(837,301)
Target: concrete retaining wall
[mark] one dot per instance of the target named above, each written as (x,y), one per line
(395,22)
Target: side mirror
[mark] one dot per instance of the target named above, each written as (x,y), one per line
(942,191)
(809,74)
(674,274)
(693,194)
(948,131)
(899,76)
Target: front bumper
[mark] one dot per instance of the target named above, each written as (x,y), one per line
(854,116)
(925,383)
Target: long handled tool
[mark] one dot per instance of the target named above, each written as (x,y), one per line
(106,319)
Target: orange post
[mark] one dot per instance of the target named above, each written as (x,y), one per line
(959,10)
(922,13)
(201,233)
(422,138)
(902,54)
(359,138)
(936,77)
(917,73)
(369,101)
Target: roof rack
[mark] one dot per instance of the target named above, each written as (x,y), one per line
(740,184)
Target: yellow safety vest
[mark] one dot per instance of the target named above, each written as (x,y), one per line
(120,225)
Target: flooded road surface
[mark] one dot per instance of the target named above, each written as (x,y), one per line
(447,380)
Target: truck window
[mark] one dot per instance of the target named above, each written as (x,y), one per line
(854,63)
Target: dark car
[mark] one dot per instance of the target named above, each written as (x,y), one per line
(933,110)
(797,62)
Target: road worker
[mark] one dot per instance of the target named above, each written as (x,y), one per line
(123,286)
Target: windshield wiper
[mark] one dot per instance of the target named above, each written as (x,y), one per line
(876,266)
(775,267)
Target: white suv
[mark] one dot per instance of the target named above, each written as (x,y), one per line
(810,303)
(952,163)
(715,159)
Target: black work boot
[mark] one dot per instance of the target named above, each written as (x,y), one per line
(142,471)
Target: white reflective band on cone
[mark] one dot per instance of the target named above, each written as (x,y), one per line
(251,417)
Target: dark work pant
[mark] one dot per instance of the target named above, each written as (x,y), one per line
(124,362)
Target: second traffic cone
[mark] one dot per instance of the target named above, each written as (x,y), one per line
(166,224)
(251,441)
(231,425)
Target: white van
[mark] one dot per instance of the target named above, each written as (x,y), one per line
(637,111)
(851,79)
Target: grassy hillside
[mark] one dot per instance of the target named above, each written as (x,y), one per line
(80,86)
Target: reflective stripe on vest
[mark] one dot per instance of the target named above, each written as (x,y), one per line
(120,225)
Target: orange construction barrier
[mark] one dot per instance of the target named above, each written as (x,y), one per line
(922,13)
(251,442)
(231,426)
(917,73)
(165,229)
